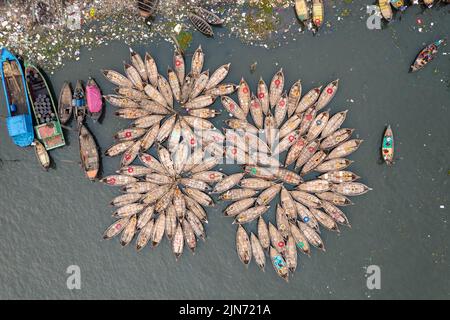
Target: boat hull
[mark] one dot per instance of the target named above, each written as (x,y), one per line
(48,128)
(90,159)
(94,100)
(302,10)
(19,120)
(79,103)
(426,55)
(387,149)
(65,107)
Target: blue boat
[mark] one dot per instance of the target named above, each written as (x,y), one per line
(19,120)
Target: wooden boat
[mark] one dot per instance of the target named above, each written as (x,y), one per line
(48,128)
(65,107)
(386,10)
(79,103)
(19,120)
(387,149)
(42,155)
(147,8)
(426,55)
(302,11)
(94,100)
(279,264)
(317,13)
(243,246)
(201,25)
(90,160)
(207,15)
(428,3)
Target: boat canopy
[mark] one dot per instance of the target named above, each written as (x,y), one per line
(20,128)
(94,98)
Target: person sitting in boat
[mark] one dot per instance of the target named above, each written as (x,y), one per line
(13,109)
(388,142)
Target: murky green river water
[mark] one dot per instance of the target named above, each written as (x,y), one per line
(52,220)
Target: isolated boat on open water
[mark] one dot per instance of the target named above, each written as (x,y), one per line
(387,149)
(426,55)
(90,160)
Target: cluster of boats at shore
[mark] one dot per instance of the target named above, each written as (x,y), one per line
(34,119)
(279,137)
(387,6)
(165,194)
(310,13)
(311,142)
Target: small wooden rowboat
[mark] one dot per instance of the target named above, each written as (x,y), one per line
(79,103)
(426,55)
(428,3)
(94,100)
(386,9)
(208,16)
(387,149)
(302,11)
(48,128)
(65,107)
(90,160)
(318,13)
(42,155)
(147,8)
(201,25)
(19,119)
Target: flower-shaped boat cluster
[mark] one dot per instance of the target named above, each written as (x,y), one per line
(293,127)
(166,194)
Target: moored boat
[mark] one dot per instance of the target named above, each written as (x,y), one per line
(317,14)
(428,3)
(201,25)
(386,9)
(302,11)
(19,120)
(94,100)
(208,16)
(90,160)
(426,55)
(243,246)
(147,8)
(48,128)
(279,264)
(42,155)
(65,107)
(79,103)
(387,149)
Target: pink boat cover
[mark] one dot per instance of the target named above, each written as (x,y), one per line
(94,99)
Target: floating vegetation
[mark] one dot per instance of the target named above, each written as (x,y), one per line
(184,39)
